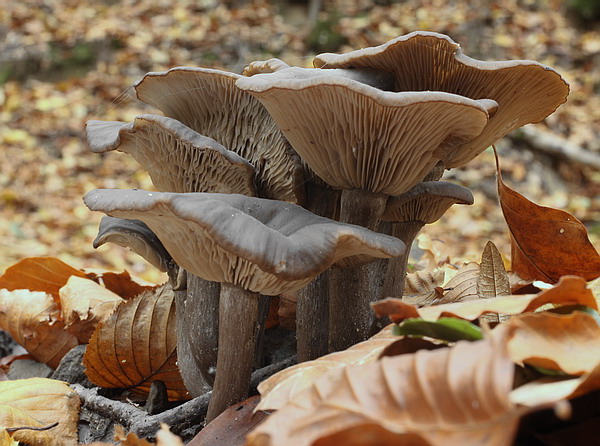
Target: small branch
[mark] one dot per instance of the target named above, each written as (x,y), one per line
(11,430)
(556,146)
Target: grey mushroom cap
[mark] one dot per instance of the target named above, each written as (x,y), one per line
(270,247)
(526,91)
(426,202)
(138,237)
(177,158)
(208,102)
(354,136)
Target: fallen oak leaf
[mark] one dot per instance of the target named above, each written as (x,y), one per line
(546,243)
(463,286)
(568,291)
(457,395)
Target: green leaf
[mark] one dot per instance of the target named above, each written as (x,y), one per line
(446,329)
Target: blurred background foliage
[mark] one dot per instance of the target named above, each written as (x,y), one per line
(64,62)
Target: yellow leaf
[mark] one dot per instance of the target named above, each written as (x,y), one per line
(39,402)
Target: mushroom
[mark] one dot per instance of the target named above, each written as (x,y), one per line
(208,102)
(370,143)
(526,91)
(252,246)
(423,204)
(178,159)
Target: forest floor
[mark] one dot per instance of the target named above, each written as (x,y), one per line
(63,63)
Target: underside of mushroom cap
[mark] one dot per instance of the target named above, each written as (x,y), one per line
(526,91)
(426,202)
(135,235)
(177,158)
(207,101)
(358,137)
(270,247)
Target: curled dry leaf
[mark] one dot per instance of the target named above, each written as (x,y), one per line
(568,291)
(566,342)
(33,320)
(119,283)
(549,390)
(457,395)
(47,274)
(39,402)
(136,345)
(463,286)
(283,387)
(423,288)
(84,304)
(556,245)
(493,278)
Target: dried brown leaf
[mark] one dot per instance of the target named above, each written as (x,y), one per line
(547,391)
(84,304)
(119,283)
(493,278)
(33,320)
(164,437)
(136,345)
(40,402)
(230,428)
(47,274)
(565,342)
(463,286)
(423,282)
(546,243)
(284,386)
(457,395)
(568,291)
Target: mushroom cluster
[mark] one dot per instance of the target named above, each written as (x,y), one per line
(312,181)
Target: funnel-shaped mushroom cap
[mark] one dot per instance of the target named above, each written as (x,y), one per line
(267,246)
(526,91)
(208,102)
(426,202)
(177,158)
(355,136)
(135,235)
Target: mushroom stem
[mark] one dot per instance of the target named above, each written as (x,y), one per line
(351,290)
(197,315)
(397,266)
(312,308)
(239,332)
(312,315)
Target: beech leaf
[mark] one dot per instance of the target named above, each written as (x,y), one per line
(569,343)
(493,278)
(446,329)
(283,386)
(463,286)
(32,318)
(546,243)
(39,402)
(136,345)
(452,395)
(47,274)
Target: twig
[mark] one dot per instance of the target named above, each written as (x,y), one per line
(556,145)
(11,430)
